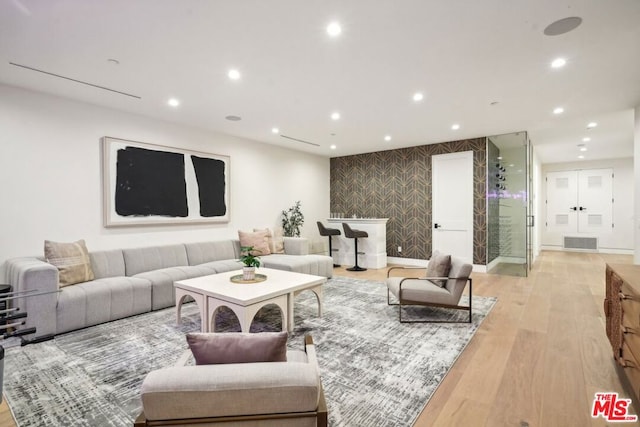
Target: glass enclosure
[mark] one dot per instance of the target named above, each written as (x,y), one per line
(508,228)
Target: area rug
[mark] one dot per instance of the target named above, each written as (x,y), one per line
(375,371)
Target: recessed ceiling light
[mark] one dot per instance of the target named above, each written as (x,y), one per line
(562,26)
(333,147)
(511,165)
(334,29)
(335,116)
(499,157)
(455,126)
(275,130)
(234,118)
(583,148)
(586,139)
(418,96)
(558,110)
(592,125)
(558,63)
(173,102)
(387,138)
(581,156)
(234,74)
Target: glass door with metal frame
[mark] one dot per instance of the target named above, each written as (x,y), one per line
(508,220)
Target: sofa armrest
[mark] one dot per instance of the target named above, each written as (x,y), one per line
(296,246)
(32,274)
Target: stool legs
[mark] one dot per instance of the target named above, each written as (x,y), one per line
(331,253)
(356,267)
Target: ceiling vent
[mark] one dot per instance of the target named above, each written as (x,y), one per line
(75,80)
(301,140)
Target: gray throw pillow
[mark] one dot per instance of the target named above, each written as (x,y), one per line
(439,266)
(237,347)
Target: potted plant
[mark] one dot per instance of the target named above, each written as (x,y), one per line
(250,261)
(292,220)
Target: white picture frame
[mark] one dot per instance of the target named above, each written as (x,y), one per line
(137,192)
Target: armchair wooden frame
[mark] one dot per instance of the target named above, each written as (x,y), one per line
(320,414)
(405,302)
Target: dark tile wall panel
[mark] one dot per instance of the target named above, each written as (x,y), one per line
(397,184)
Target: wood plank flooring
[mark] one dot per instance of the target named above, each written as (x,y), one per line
(536,360)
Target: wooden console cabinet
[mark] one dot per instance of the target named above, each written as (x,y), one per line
(622,311)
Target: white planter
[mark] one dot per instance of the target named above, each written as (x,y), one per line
(248,273)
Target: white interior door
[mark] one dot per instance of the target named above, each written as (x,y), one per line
(595,197)
(452,204)
(562,202)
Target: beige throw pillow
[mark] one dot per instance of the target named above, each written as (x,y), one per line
(237,347)
(71,259)
(439,266)
(258,239)
(275,239)
(278,241)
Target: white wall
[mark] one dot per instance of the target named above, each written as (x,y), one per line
(50,170)
(621,237)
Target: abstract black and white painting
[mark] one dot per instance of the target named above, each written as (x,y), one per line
(146,184)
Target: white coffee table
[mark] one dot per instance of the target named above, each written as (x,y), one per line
(217,290)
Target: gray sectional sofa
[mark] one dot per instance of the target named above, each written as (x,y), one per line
(137,280)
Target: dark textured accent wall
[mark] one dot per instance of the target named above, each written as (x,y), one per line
(396,184)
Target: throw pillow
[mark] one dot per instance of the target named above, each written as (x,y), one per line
(439,266)
(278,240)
(258,240)
(269,237)
(238,347)
(275,239)
(71,259)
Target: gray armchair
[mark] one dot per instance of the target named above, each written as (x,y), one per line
(430,291)
(278,394)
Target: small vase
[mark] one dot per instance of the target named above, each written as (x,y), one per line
(248,273)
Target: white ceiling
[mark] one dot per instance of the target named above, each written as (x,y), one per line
(463,55)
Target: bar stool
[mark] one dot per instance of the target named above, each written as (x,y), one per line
(324,231)
(354,234)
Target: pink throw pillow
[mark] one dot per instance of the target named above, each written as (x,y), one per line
(238,347)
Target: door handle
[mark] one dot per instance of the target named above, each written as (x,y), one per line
(436,225)
(573,208)
(583,209)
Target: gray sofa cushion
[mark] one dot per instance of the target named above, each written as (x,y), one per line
(162,290)
(420,290)
(102,300)
(107,263)
(223,266)
(140,260)
(204,252)
(319,265)
(233,389)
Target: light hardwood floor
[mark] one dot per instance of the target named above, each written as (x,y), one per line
(537,359)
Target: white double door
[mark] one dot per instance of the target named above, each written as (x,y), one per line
(452,204)
(580,201)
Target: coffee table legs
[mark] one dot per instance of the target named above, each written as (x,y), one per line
(317,290)
(200,302)
(246,314)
